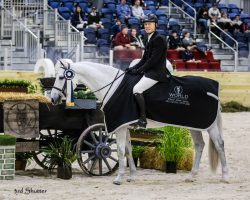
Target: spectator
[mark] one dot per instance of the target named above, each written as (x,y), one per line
(188,41)
(225,23)
(214,12)
(116,28)
(137,10)
(78,18)
(237,24)
(188,56)
(94,19)
(214,29)
(123,11)
(203,19)
(135,40)
(174,42)
(122,40)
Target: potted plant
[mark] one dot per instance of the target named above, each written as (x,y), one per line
(137,151)
(14,85)
(172,144)
(61,155)
(22,158)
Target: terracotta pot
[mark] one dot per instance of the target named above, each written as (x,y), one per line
(171,167)
(20,164)
(64,172)
(18,89)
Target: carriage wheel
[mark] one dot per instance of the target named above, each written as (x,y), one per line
(46,136)
(97,151)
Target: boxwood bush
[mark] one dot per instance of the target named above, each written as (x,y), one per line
(7,140)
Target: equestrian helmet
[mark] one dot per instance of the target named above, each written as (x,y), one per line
(150,18)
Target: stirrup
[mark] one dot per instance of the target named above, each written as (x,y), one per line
(141,123)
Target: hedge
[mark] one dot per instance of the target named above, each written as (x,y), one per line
(7,140)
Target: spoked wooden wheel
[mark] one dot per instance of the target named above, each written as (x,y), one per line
(97,151)
(46,137)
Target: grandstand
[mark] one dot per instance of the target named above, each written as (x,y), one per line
(33,29)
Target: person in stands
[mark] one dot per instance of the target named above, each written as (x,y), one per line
(137,10)
(135,40)
(94,19)
(123,11)
(122,40)
(77,19)
(174,42)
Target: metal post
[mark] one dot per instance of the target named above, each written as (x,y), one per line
(209,35)
(111,57)
(169,8)
(13,27)
(56,28)
(5,58)
(81,46)
(195,24)
(38,45)
(2,23)
(68,35)
(25,39)
(235,60)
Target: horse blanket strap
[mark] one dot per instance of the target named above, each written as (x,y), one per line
(188,101)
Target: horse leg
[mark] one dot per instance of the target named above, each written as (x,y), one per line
(217,142)
(199,146)
(121,144)
(130,159)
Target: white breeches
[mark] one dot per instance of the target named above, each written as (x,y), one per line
(144,84)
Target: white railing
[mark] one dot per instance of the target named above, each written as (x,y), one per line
(5,54)
(25,9)
(170,3)
(235,48)
(23,38)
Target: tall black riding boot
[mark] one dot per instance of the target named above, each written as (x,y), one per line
(141,103)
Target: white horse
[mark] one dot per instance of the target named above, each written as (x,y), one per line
(95,76)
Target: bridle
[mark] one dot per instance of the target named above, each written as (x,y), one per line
(69,74)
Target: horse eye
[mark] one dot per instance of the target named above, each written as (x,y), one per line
(61,77)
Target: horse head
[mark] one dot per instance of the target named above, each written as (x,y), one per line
(59,88)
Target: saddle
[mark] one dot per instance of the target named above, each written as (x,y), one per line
(188,101)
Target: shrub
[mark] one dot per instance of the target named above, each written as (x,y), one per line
(7,140)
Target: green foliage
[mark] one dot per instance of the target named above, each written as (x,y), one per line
(84,94)
(7,140)
(32,89)
(60,153)
(14,83)
(234,106)
(172,143)
(137,151)
(149,131)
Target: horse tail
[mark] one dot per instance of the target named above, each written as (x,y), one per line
(212,152)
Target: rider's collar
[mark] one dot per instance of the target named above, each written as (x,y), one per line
(150,35)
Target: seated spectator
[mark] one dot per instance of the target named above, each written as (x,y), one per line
(123,11)
(237,24)
(116,28)
(174,42)
(94,19)
(77,19)
(135,40)
(225,23)
(122,40)
(203,19)
(188,56)
(214,29)
(214,12)
(187,41)
(137,10)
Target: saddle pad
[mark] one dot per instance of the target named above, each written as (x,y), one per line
(188,101)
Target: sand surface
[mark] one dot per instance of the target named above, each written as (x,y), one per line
(150,184)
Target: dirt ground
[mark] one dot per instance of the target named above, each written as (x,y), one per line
(150,184)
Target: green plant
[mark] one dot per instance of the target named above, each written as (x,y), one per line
(137,151)
(6,140)
(84,94)
(60,153)
(173,143)
(14,83)
(32,89)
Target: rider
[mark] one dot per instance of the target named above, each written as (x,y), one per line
(152,65)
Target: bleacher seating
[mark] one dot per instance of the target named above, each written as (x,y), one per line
(165,26)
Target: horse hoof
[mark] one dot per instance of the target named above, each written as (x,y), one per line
(117,183)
